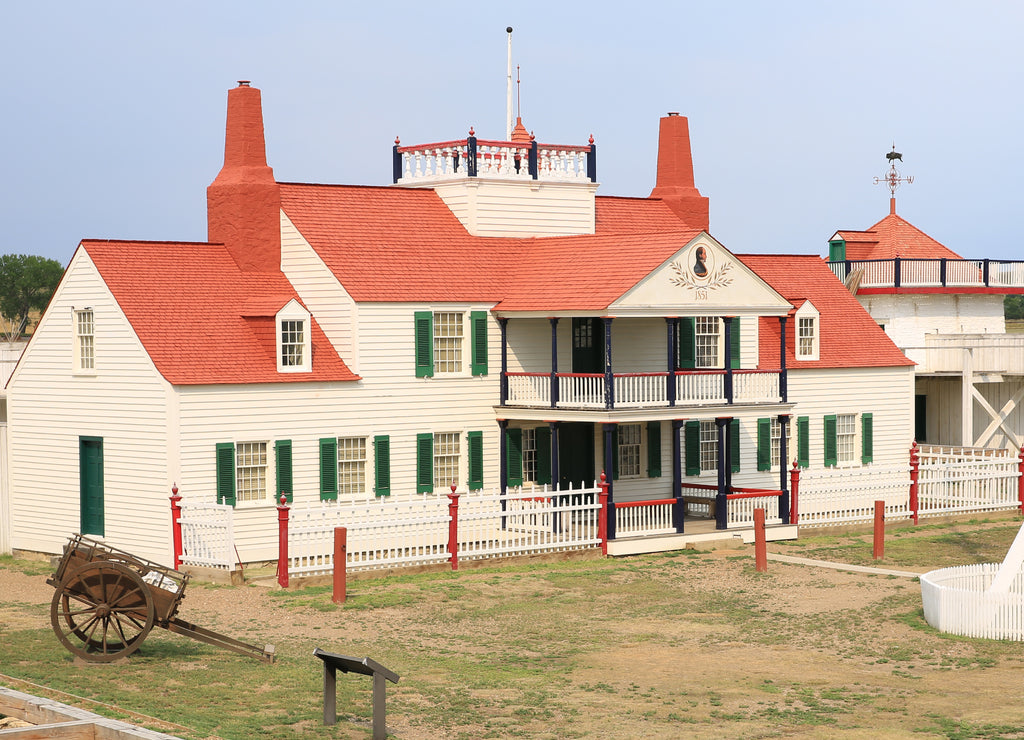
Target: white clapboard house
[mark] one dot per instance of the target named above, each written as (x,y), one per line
(487,321)
(946,313)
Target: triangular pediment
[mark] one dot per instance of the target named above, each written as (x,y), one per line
(702,278)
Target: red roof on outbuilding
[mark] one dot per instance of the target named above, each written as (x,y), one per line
(893,237)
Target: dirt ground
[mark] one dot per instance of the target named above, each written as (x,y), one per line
(805,659)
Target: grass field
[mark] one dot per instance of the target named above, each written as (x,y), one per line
(679,645)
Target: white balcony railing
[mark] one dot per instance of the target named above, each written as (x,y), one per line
(984,353)
(932,273)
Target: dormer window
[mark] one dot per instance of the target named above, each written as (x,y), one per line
(808,332)
(293,339)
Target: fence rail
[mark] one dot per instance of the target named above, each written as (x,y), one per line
(957,600)
(207,535)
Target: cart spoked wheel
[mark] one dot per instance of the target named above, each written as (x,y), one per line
(102,611)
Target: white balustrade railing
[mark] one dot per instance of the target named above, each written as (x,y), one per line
(933,273)
(494,159)
(953,480)
(207,535)
(957,600)
(700,387)
(756,386)
(528,389)
(581,390)
(965,273)
(741,510)
(644,518)
(641,389)
(832,496)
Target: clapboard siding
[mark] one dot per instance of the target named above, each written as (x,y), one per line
(123,402)
(531,208)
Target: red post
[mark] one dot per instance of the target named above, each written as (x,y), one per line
(794,491)
(1020,480)
(602,515)
(340,565)
(282,542)
(915,471)
(878,551)
(176,526)
(760,550)
(453,527)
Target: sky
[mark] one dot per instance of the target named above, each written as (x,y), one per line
(113,112)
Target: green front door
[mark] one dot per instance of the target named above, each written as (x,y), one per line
(575,455)
(90,472)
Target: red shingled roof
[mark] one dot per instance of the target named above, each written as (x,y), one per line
(849,337)
(188,304)
(892,237)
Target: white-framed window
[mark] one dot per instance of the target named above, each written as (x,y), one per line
(293,340)
(708,446)
(351,466)
(630,440)
(706,336)
(448,333)
(808,332)
(85,340)
(447,454)
(529,455)
(846,437)
(250,471)
(776,441)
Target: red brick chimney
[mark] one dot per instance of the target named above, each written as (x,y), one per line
(675,173)
(243,205)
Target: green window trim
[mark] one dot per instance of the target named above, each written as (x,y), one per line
(867,441)
(542,439)
(691,447)
(764,444)
(329,469)
(226,473)
(803,441)
(514,456)
(382,465)
(734,343)
(687,344)
(283,463)
(615,452)
(831,441)
(425,463)
(475,443)
(424,344)
(654,449)
(733,440)
(478,335)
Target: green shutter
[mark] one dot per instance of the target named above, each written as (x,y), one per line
(734,343)
(329,469)
(478,324)
(764,444)
(425,463)
(654,449)
(830,441)
(283,458)
(475,442)
(514,456)
(867,438)
(837,250)
(803,441)
(691,447)
(615,452)
(542,438)
(382,465)
(733,440)
(226,473)
(424,344)
(687,343)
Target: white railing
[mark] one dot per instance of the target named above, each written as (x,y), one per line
(494,159)
(581,390)
(957,600)
(991,353)
(644,518)
(953,480)
(637,390)
(741,510)
(700,387)
(207,535)
(928,273)
(528,389)
(756,385)
(833,496)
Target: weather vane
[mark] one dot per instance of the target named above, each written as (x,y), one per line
(892,178)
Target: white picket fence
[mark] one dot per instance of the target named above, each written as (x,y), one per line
(954,480)
(832,496)
(207,535)
(957,600)
(644,518)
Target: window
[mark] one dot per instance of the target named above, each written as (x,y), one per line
(447,342)
(292,342)
(529,455)
(700,446)
(629,450)
(769,443)
(250,471)
(808,339)
(841,439)
(805,335)
(85,349)
(351,466)
(533,448)
(707,341)
(701,342)
(846,437)
(708,446)
(292,331)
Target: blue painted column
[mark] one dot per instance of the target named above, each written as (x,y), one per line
(396,162)
(592,161)
(554,361)
(609,466)
(727,321)
(677,475)
(670,381)
(609,376)
(471,155)
(724,473)
(783,378)
(783,469)
(503,387)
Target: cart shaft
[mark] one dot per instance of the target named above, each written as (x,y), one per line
(181,627)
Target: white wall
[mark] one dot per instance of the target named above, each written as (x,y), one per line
(909,317)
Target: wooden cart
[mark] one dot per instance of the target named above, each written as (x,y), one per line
(107,601)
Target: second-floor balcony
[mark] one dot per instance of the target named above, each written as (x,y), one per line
(969,275)
(685,388)
(993,354)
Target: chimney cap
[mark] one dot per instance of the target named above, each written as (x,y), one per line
(673,113)
(244,83)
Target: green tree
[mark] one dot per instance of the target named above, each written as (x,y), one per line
(26,283)
(1013,307)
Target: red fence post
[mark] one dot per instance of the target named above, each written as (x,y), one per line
(453,527)
(915,471)
(176,526)
(282,543)
(760,549)
(794,488)
(602,514)
(878,550)
(340,565)
(1020,480)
